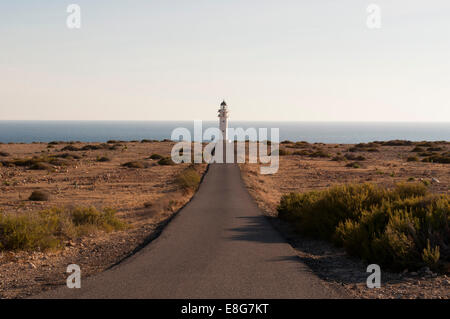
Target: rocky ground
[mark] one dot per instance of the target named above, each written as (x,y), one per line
(386,166)
(145,198)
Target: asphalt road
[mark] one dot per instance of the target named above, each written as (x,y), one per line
(218,246)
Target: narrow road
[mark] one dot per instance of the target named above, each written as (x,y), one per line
(218,246)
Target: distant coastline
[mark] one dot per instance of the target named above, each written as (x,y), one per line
(325,132)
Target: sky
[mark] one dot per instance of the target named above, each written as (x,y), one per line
(270,60)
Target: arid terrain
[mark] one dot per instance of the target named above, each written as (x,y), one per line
(138,181)
(319,166)
(145,193)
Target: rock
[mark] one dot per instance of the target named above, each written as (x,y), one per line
(32,266)
(435,180)
(414,273)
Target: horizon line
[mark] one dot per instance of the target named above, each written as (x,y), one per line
(237,120)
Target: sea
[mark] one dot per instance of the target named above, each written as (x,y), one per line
(325,132)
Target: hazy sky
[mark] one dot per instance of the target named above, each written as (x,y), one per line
(271,60)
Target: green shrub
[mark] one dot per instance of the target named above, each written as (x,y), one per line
(397,143)
(319,153)
(390,227)
(303,153)
(41,166)
(156,156)
(188,179)
(430,256)
(418,149)
(39,196)
(338,158)
(135,164)
(443,158)
(353,165)
(91,217)
(103,159)
(352,157)
(70,148)
(49,229)
(412,159)
(166,161)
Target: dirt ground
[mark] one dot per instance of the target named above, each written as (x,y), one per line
(145,198)
(386,166)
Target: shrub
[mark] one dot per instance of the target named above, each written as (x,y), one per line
(400,227)
(135,164)
(148,141)
(319,153)
(39,196)
(49,229)
(418,149)
(67,156)
(353,165)
(397,143)
(339,158)
(155,156)
(91,217)
(70,148)
(430,256)
(166,161)
(425,144)
(352,157)
(41,166)
(188,179)
(412,159)
(4,154)
(443,158)
(303,153)
(103,159)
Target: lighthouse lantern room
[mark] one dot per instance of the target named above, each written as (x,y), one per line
(223,120)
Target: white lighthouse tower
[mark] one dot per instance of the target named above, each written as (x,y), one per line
(223,120)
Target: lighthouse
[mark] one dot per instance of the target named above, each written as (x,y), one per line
(223,120)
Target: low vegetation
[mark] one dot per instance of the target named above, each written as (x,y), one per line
(443,158)
(103,159)
(155,156)
(43,162)
(353,165)
(136,164)
(189,179)
(166,161)
(39,196)
(398,228)
(51,228)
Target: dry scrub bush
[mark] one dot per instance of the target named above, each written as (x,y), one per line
(402,227)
